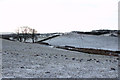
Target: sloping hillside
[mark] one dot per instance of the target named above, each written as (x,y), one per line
(86,41)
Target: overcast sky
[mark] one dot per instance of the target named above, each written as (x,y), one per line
(58,15)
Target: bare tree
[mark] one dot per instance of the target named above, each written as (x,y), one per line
(17,31)
(19,37)
(33,35)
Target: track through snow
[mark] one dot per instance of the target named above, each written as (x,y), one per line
(25,60)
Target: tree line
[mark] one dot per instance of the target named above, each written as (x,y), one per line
(25,32)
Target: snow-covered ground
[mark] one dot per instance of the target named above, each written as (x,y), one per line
(0,58)
(111,34)
(0,65)
(40,61)
(86,41)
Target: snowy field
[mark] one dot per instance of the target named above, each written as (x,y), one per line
(0,58)
(86,41)
(26,60)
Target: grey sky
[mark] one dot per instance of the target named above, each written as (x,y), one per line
(58,15)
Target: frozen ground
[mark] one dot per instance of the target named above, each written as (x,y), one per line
(39,61)
(86,41)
